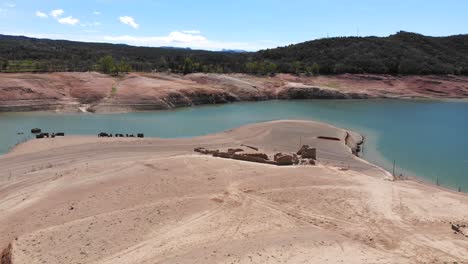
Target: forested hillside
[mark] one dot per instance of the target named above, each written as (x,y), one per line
(403,53)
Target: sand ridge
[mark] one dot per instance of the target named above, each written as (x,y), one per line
(103,200)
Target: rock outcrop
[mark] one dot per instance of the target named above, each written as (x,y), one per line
(354,142)
(311,92)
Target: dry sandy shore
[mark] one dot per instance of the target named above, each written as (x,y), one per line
(108,200)
(96,92)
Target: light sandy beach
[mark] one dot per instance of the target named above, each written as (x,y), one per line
(119,200)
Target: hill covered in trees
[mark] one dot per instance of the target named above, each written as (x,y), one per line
(403,53)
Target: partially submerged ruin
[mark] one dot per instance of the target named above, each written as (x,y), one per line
(305,156)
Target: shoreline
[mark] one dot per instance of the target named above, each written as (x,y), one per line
(359,139)
(381,161)
(82,110)
(119,110)
(99,93)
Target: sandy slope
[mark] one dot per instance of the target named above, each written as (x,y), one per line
(90,200)
(152,91)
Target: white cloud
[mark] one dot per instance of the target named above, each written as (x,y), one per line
(183,39)
(128,20)
(68,20)
(56,13)
(191,31)
(41,14)
(10,5)
(97,13)
(172,39)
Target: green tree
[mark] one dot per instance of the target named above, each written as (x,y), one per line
(308,70)
(271,68)
(219,69)
(205,68)
(107,65)
(196,67)
(251,67)
(123,67)
(297,65)
(188,66)
(315,69)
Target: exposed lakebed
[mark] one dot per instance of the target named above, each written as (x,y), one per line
(426,138)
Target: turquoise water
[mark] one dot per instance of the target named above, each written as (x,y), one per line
(428,139)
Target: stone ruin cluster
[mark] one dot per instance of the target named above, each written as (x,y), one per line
(305,156)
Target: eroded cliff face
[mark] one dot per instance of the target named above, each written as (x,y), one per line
(94,92)
(299,91)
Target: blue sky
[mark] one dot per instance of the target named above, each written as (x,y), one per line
(214,25)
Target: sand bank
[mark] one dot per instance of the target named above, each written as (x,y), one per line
(112,200)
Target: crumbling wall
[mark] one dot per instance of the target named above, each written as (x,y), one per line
(308,156)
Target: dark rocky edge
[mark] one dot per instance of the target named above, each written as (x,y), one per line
(317,93)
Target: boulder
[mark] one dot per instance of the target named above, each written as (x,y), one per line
(285,160)
(277,155)
(307,152)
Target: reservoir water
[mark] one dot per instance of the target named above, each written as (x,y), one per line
(427,139)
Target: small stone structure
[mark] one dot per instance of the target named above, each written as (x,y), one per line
(307,152)
(305,156)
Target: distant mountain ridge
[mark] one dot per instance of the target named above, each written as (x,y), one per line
(401,53)
(233,50)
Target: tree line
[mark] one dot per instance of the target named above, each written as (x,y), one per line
(399,54)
